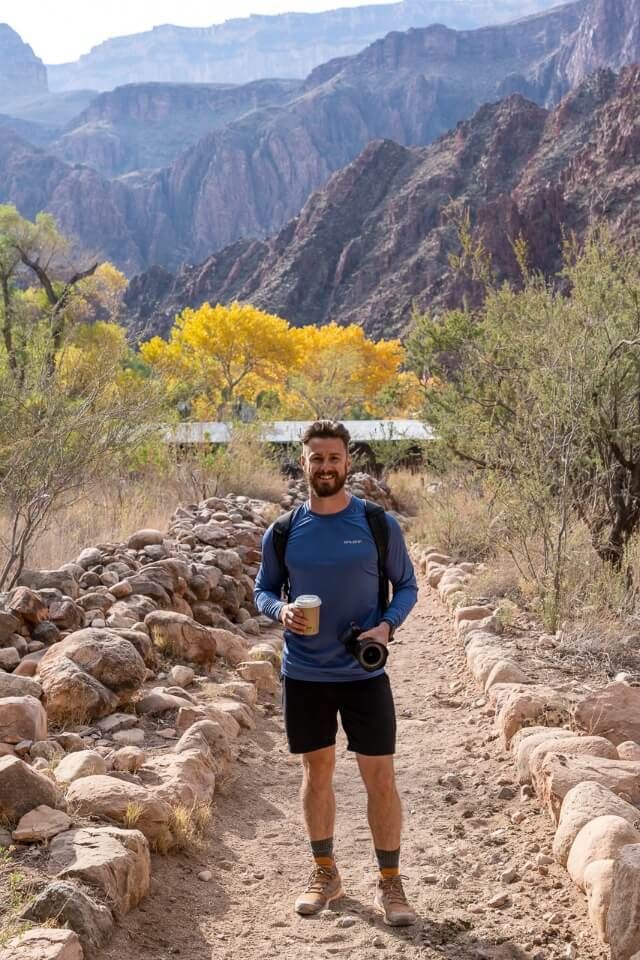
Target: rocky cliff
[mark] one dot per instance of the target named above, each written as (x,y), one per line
(22,74)
(285,45)
(376,240)
(255,173)
(148,125)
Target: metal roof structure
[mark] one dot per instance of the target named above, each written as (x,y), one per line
(290,431)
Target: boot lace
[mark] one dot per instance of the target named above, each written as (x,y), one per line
(319,878)
(393,891)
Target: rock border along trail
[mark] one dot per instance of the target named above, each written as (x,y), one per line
(483,886)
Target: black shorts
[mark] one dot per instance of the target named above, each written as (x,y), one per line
(366,710)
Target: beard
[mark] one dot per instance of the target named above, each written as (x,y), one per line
(328,487)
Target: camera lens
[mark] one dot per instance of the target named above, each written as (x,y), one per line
(371,656)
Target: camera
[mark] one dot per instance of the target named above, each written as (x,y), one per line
(370,654)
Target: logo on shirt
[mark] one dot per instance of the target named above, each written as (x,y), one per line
(352,541)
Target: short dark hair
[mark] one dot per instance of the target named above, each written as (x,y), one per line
(327,428)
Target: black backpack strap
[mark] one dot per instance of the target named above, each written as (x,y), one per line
(280,535)
(379,527)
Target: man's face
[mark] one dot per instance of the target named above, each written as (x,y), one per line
(325,463)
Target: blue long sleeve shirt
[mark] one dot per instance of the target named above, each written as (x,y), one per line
(334,556)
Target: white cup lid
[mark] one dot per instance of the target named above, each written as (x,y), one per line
(308,600)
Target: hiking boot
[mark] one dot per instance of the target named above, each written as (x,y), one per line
(323,886)
(391,901)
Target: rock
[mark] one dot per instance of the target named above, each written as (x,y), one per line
(623,920)
(5,839)
(526,707)
(181,676)
(471,613)
(598,883)
(66,615)
(158,701)
(187,777)
(46,633)
(125,803)
(600,839)
(41,823)
(62,580)
(505,671)
(145,538)
(499,900)
(22,718)
(44,943)
(116,722)
(12,685)
(69,903)
(8,625)
(583,803)
(129,738)
(205,875)
(262,651)
(9,658)
(613,712)
(82,763)
(175,634)
(48,750)
(576,746)
(22,790)
(230,647)
(525,742)
(27,605)
(191,714)
(89,557)
(240,712)
(70,742)
(629,750)
(558,773)
(261,673)
(129,759)
(240,689)
(89,674)
(113,861)
(206,733)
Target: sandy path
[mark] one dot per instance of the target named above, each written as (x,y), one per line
(259,857)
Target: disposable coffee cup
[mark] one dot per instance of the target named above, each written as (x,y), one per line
(309,605)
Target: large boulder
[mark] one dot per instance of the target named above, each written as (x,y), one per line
(44,943)
(583,803)
(62,580)
(598,883)
(22,718)
(187,778)
(12,685)
(529,706)
(623,921)
(144,538)
(69,904)
(115,862)
(89,674)
(126,803)
(80,763)
(177,635)
(27,605)
(559,772)
(613,712)
(526,741)
(261,673)
(23,789)
(576,746)
(41,823)
(600,839)
(8,625)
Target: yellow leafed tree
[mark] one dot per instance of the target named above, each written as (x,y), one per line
(341,371)
(219,354)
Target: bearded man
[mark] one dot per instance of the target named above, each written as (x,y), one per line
(332,552)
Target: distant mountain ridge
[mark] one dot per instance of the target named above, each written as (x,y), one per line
(375,242)
(286,45)
(21,72)
(250,176)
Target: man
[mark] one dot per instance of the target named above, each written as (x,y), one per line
(331,551)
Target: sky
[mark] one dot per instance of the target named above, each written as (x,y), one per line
(62,30)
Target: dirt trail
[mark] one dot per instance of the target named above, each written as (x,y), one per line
(458,842)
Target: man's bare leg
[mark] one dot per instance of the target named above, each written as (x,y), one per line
(319,808)
(384,811)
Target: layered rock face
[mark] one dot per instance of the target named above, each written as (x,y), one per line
(285,45)
(249,177)
(148,125)
(22,74)
(377,239)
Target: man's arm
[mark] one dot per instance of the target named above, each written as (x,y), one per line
(400,571)
(268,587)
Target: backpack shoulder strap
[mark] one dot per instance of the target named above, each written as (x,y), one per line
(281,530)
(379,527)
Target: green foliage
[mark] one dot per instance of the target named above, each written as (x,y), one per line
(541,389)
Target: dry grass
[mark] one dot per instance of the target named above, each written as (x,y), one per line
(409,488)
(189,825)
(457,518)
(147,496)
